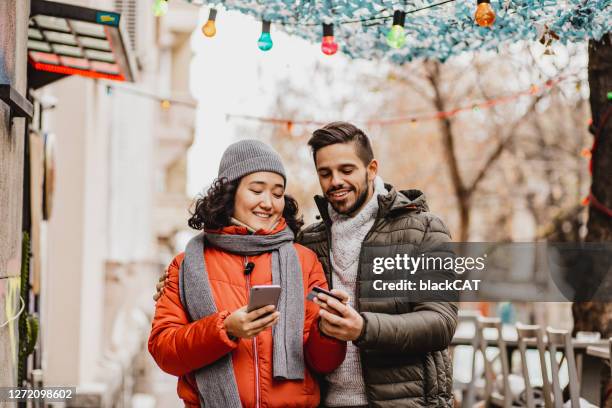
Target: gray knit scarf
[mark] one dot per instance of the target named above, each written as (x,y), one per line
(216,382)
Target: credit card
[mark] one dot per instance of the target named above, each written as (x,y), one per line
(316,290)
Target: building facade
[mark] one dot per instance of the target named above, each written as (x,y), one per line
(119,202)
(13,41)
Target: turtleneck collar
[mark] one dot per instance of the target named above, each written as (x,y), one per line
(368,211)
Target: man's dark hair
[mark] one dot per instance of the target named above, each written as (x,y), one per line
(215,209)
(342,132)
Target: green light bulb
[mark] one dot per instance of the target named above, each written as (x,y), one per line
(160,8)
(396,38)
(265,39)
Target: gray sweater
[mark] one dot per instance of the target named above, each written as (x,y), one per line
(346,385)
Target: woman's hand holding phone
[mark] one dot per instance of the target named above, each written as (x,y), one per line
(246,325)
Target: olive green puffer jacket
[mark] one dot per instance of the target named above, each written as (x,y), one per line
(404,345)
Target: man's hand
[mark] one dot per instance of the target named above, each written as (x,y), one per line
(248,325)
(160,285)
(339,319)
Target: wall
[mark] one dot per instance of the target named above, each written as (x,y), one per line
(13,32)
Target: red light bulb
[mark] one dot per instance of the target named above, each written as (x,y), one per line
(329,46)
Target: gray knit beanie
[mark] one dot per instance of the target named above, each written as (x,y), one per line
(249,156)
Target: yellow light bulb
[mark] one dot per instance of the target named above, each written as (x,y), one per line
(485,16)
(209,28)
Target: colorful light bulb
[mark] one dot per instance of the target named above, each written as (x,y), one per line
(209,29)
(265,39)
(396,38)
(485,16)
(160,8)
(329,46)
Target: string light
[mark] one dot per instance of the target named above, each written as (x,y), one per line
(329,46)
(485,16)
(209,29)
(585,201)
(412,119)
(160,8)
(586,153)
(265,39)
(396,38)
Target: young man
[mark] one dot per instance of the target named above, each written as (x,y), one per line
(398,350)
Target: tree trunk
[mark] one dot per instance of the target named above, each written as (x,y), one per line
(597,316)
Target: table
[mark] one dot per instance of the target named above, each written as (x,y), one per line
(599,352)
(464,336)
(589,371)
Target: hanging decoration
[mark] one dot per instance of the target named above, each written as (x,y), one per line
(435,29)
(485,16)
(413,120)
(396,38)
(265,39)
(209,29)
(329,46)
(547,37)
(160,8)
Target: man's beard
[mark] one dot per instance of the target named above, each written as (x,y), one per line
(358,203)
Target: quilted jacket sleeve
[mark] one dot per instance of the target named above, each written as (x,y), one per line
(429,327)
(179,346)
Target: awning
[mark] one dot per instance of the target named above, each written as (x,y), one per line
(64,39)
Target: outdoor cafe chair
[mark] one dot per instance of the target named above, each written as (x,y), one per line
(561,341)
(493,396)
(468,389)
(530,334)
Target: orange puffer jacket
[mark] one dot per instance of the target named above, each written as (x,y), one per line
(180,347)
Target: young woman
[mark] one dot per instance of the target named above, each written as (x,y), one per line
(202,333)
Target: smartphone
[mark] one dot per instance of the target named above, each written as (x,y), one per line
(263,295)
(316,290)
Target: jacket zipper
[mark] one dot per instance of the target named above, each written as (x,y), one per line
(255,356)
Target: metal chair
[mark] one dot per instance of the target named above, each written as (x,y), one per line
(527,335)
(561,341)
(492,396)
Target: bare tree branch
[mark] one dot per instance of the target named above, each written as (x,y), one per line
(501,146)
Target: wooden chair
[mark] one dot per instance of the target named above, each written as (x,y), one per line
(492,396)
(530,334)
(561,340)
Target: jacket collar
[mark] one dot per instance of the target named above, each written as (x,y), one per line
(394,201)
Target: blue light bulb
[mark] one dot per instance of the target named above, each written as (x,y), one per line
(265,39)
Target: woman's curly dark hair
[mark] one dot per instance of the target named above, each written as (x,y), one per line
(215,209)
